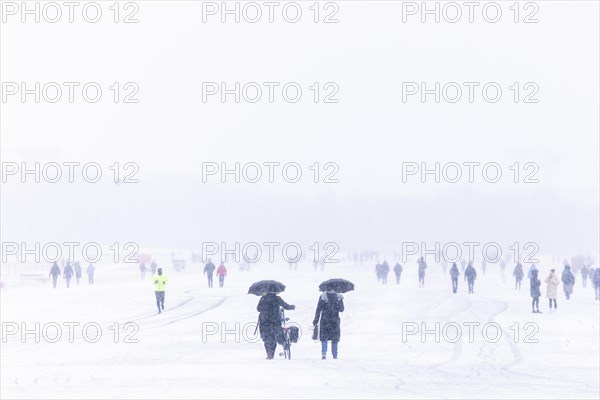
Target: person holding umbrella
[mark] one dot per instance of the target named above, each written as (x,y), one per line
(327,315)
(269,319)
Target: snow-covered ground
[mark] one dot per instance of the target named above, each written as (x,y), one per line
(185,353)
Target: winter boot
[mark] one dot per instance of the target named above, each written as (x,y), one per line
(323,356)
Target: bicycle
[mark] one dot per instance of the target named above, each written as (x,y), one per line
(289,334)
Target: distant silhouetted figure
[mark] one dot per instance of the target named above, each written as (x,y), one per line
(221,273)
(54,272)
(398,271)
(68,274)
(77,268)
(568,280)
(422,268)
(143,270)
(454,273)
(534,290)
(90,271)
(209,268)
(470,276)
(552,283)
(518,274)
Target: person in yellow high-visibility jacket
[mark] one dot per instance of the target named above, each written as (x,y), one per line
(160,282)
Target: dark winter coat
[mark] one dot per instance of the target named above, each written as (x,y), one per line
(397,269)
(518,272)
(269,319)
(567,277)
(329,307)
(470,273)
(596,277)
(54,270)
(534,285)
(385,268)
(209,268)
(379,270)
(68,272)
(422,268)
(454,271)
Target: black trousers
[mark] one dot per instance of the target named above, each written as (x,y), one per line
(454,285)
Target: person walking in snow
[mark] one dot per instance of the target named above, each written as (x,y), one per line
(90,271)
(422,268)
(568,280)
(269,320)
(143,270)
(585,270)
(595,276)
(160,283)
(68,274)
(378,272)
(398,272)
(518,274)
(385,270)
(454,273)
(54,272)
(327,316)
(552,283)
(503,270)
(77,268)
(470,276)
(209,268)
(221,273)
(153,267)
(534,290)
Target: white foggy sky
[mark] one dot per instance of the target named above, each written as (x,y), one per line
(368,134)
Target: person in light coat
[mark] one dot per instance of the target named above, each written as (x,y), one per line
(552,283)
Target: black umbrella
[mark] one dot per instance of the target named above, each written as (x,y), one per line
(337,284)
(261,287)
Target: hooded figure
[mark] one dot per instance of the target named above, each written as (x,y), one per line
(534,290)
(552,283)
(568,280)
(532,267)
(269,320)
(329,307)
